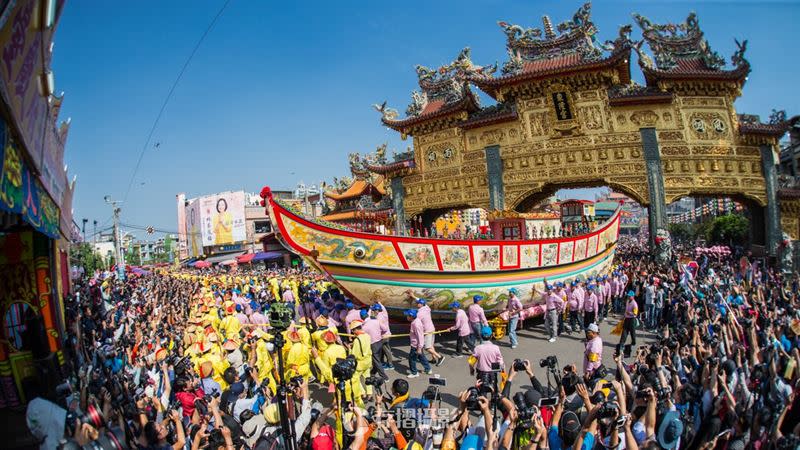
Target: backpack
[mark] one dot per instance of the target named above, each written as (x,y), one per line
(270,441)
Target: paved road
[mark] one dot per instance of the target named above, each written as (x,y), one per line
(533,345)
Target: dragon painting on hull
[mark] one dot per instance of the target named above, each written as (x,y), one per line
(390,269)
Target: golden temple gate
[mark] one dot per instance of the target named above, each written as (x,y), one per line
(568,115)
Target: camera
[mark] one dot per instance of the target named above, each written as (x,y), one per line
(472,399)
(524,412)
(431,394)
(93,416)
(519,365)
(280,316)
(296,381)
(344,369)
(608,410)
(550,362)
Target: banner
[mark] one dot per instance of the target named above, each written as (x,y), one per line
(222,218)
(194,243)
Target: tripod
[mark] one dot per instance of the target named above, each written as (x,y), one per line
(287,424)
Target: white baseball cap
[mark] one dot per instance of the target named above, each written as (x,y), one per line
(593,327)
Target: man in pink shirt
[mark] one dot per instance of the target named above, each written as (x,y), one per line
(628,325)
(593,353)
(352,314)
(553,304)
(462,326)
(477,319)
(424,314)
(258,318)
(416,351)
(243,319)
(375,329)
(590,306)
(486,354)
(575,303)
(513,308)
(386,349)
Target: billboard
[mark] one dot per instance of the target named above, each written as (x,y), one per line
(222,218)
(194,243)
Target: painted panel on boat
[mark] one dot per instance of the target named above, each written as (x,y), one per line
(455,257)
(344,249)
(510,256)
(530,256)
(565,253)
(549,254)
(487,257)
(592,246)
(419,256)
(580,249)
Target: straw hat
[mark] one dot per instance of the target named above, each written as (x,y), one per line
(356,324)
(206,369)
(201,347)
(329,337)
(293,336)
(322,321)
(161,354)
(230,344)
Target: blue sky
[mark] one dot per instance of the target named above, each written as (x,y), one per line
(280,91)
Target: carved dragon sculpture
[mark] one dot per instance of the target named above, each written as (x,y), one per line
(387,114)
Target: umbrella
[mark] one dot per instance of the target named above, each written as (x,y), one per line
(202,264)
(246,258)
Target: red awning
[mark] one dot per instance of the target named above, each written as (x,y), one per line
(202,264)
(246,258)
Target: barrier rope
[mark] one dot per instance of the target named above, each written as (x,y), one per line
(344,334)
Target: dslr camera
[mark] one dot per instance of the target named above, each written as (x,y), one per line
(550,362)
(344,369)
(519,365)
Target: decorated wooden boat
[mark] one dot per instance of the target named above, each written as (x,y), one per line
(373,267)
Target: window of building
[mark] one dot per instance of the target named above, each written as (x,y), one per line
(511,232)
(262,226)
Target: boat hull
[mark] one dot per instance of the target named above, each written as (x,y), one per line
(396,269)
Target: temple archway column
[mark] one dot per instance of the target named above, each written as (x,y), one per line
(398,196)
(657,210)
(772,214)
(494,174)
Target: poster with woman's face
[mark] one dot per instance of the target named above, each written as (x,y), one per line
(194,242)
(222,218)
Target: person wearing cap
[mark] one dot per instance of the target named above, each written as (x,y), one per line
(477,319)
(485,355)
(361,348)
(593,351)
(424,315)
(628,326)
(352,314)
(553,303)
(417,340)
(386,349)
(670,431)
(607,296)
(375,329)
(462,326)
(576,300)
(590,306)
(513,308)
(317,336)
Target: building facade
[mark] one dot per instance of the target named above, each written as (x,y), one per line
(36,225)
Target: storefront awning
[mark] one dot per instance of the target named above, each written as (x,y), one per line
(246,258)
(263,256)
(216,259)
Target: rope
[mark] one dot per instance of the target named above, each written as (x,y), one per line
(345,334)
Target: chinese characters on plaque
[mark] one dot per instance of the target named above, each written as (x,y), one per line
(560,102)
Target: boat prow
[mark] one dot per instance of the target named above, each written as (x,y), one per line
(395,269)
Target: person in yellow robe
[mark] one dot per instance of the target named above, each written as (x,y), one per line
(317,336)
(298,357)
(362,350)
(262,360)
(354,391)
(230,326)
(304,331)
(223,224)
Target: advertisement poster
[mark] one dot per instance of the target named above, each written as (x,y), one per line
(222,217)
(194,244)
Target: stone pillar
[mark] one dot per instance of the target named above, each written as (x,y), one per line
(398,196)
(772,214)
(494,174)
(657,211)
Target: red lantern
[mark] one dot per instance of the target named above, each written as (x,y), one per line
(265,192)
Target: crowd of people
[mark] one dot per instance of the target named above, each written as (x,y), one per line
(282,359)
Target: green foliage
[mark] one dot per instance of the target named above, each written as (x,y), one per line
(84,255)
(728,229)
(681,232)
(132,257)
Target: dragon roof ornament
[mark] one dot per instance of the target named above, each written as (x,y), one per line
(447,83)
(576,36)
(671,42)
(359,164)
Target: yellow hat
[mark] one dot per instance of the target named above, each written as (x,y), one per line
(356,324)
(303,320)
(201,347)
(293,336)
(230,344)
(322,321)
(271,413)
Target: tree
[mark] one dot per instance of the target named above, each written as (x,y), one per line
(133,257)
(729,229)
(681,232)
(84,255)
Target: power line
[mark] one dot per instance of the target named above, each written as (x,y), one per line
(169,95)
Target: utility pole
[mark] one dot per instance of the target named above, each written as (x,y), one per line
(83,229)
(95,231)
(119,258)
